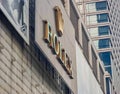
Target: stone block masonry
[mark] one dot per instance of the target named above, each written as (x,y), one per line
(19,71)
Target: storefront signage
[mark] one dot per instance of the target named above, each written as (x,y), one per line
(59,21)
(17,12)
(52,40)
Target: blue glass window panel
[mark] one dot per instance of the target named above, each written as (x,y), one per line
(103,43)
(101,5)
(102,17)
(103,30)
(105,57)
(107,86)
(109,70)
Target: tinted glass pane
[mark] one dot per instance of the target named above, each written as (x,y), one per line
(96,6)
(98,18)
(101,5)
(103,30)
(105,57)
(102,43)
(98,31)
(109,70)
(102,18)
(107,86)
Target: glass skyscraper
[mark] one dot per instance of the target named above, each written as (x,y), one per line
(96,17)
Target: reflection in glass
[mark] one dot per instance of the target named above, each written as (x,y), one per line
(108,69)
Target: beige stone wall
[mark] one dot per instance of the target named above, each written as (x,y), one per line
(45,11)
(19,71)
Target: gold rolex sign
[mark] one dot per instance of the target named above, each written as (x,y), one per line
(52,40)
